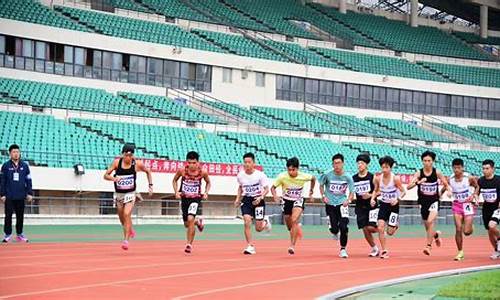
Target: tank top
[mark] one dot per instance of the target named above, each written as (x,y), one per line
(127,177)
(388,192)
(363,185)
(191,184)
(460,189)
(428,191)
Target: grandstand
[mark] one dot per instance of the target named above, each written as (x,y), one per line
(234,82)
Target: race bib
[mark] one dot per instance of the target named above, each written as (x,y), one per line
(338,188)
(496,214)
(393,219)
(461,196)
(293,193)
(429,188)
(15,176)
(128,197)
(298,203)
(190,188)
(468,209)
(362,187)
(373,215)
(193,208)
(259,212)
(344,211)
(388,197)
(126,182)
(251,190)
(434,206)
(489,195)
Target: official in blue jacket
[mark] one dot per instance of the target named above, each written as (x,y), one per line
(15,188)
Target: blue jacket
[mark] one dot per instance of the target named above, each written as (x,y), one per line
(13,186)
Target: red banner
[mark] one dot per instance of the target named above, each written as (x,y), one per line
(171,166)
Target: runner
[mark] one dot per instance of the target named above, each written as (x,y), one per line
(363,186)
(125,171)
(463,203)
(489,189)
(292,183)
(336,183)
(428,196)
(190,195)
(253,188)
(391,191)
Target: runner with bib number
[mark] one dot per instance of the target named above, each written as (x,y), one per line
(253,188)
(461,184)
(428,197)
(191,196)
(489,189)
(125,171)
(337,190)
(366,216)
(292,183)
(391,191)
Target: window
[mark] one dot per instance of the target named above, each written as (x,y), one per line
(366,96)
(379,98)
(393,101)
(117,61)
(325,92)
(431,103)
(419,102)
(2,44)
(312,90)
(227,75)
(353,95)
(339,93)
(260,79)
(297,89)
(28,48)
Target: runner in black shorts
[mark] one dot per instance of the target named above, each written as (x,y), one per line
(253,188)
(363,187)
(428,196)
(489,189)
(391,191)
(190,195)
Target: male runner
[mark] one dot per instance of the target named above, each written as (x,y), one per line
(463,203)
(333,187)
(190,195)
(489,189)
(428,196)
(253,186)
(363,187)
(391,191)
(125,171)
(292,183)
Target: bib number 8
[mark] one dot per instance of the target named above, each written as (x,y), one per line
(344,211)
(373,216)
(393,219)
(259,213)
(193,208)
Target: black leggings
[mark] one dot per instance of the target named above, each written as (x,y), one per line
(12,206)
(337,223)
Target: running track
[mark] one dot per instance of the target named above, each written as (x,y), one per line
(215,270)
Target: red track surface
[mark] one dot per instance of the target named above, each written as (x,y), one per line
(216,269)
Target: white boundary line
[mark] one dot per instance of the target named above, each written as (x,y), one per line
(365,287)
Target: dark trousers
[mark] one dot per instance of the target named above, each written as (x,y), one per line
(12,206)
(337,223)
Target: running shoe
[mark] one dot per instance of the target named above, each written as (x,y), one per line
(125,245)
(21,238)
(249,250)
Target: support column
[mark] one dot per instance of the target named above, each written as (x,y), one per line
(484,21)
(342,6)
(414,13)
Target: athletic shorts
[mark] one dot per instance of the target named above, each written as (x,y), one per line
(491,212)
(363,217)
(257,212)
(124,198)
(190,207)
(464,209)
(426,207)
(288,205)
(389,214)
